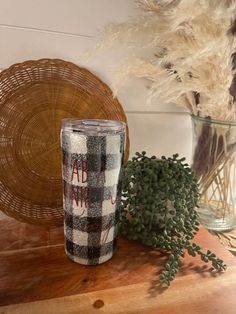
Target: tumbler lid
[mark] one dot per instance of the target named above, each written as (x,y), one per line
(93,126)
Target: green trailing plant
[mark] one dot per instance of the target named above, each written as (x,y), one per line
(159,198)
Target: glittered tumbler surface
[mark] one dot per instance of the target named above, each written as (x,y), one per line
(92,152)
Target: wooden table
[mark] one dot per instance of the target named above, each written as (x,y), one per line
(37,277)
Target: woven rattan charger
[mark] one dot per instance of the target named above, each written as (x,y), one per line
(34,97)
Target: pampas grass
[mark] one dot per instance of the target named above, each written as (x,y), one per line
(193,44)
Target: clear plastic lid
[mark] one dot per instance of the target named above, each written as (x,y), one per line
(93,126)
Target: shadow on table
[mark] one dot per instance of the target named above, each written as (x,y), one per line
(157,288)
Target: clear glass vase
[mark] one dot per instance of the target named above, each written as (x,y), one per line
(214,164)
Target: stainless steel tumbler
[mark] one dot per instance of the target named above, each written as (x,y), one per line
(92,156)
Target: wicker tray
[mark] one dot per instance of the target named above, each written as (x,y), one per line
(34,97)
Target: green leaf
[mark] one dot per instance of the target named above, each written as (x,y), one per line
(161,197)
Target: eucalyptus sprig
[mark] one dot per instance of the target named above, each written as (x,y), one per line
(159,198)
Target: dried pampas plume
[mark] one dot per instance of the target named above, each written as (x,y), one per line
(193,43)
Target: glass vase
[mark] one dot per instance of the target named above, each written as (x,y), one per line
(92,154)
(214,164)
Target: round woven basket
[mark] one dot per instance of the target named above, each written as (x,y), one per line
(34,97)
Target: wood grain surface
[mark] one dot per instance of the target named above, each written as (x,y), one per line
(37,277)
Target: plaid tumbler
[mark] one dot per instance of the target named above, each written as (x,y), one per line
(92,156)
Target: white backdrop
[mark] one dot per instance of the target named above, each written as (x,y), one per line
(65,29)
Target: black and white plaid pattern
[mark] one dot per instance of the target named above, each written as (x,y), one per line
(91,174)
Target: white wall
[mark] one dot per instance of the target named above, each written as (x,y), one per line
(33,29)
